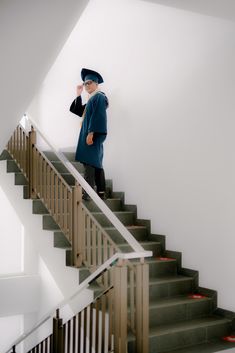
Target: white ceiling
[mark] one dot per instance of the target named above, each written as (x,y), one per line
(217,8)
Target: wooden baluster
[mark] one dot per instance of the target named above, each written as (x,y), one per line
(90,327)
(142,307)
(58,335)
(120,308)
(32,141)
(94,247)
(78,235)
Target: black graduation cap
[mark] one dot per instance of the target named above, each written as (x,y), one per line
(88,74)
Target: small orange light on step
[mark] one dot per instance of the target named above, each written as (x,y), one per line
(229,338)
(196,296)
(165,258)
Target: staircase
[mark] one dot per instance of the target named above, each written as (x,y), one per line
(178,322)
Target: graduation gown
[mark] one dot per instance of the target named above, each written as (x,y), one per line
(95,120)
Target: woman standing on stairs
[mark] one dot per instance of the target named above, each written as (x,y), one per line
(93,130)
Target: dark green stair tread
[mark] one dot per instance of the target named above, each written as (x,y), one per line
(173,301)
(145,244)
(51,156)
(12,166)
(187,325)
(115,205)
(169,279)
(212,346)
(5,155)
(20,179)
(126,217)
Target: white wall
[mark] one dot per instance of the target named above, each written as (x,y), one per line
(11,238)
(45,281)
(31,35)
(169,75)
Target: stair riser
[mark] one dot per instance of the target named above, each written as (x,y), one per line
(60,241)
(70,180)
(20,179)
(126,218)
(39,207)
(59,166)
(180,312)
(49,223)
(187,338)
(5,155)
(167,290)
(115,205)
(139,234)
(156,248)
(12,167)
(159,269)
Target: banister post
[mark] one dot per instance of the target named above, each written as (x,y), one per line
(78,229)
(120,307)
(58,334)
(31,163)
(142,308)
(13,349)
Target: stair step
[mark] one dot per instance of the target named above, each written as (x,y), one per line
(158,268)
(59,166)
(127,218)
(139,232)
(187,333)
(170,286)
(181,308)
(115,205)
(20,179)
(70,156)
(12,167)
(69,178)
(153,246)
(5,155)
(79,166)
(48,223)
(39,207)
(60,241)
(213,345)
(51,156)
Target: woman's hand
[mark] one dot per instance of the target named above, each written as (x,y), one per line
(89,139)
(79,90)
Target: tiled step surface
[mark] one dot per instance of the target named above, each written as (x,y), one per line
(20,179)
(176,309)
(214,345)
(187,333)
(127,218)
(139,232)
(60,241)
(170,286)
(155,247)
(115,204)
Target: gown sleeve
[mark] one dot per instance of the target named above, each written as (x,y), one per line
(98,119)
(77,107)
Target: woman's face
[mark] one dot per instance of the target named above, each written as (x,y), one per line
(90,86)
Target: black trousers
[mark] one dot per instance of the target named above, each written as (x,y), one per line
(95,178)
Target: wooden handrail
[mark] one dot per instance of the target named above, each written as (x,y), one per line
(91,244)
(90,191)
(84,285)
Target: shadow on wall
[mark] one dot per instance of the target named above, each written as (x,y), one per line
(216,8)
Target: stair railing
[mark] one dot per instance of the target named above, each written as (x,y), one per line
(91,244)
(99,327)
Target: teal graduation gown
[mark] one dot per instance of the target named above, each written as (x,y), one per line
(95,120)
